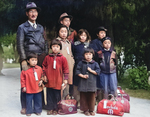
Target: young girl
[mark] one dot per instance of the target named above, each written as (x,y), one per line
(31,83)
(108,77)
(87,69)
(77,49)
(55,67)
(66,51)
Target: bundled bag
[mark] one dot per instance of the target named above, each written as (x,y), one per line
(67,106)
(110,107)
(125,103)
(124,94)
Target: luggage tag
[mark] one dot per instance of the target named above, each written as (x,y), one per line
(68,50)
(54,64)
(35,75)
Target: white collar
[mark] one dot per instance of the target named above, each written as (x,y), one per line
(32,23)
(106,49)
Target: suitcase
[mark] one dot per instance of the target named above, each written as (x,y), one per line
(124,94)
(110,107)
(125,103)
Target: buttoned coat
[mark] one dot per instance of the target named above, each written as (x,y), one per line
(30,39)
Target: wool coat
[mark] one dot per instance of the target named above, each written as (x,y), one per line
(107,61)
(55,75)
(97,45)
(89,84)
(77,50)
(28,79)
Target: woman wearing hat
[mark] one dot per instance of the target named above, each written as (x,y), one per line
(66,19)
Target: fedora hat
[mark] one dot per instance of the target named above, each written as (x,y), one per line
(32,5)
(65,15)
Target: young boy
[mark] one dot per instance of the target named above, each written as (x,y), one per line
(96,44)
(108,77)
(87,70)
(55,67)
(66,19)
(31,83)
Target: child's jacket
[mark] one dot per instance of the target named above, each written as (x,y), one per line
(55,76)
(107,61)
(28,79)
(87,85)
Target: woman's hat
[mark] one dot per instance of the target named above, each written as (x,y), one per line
(65,15)
(101,28)
(32,5)
(105,38)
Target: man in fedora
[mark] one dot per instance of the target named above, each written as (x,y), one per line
(66,19)
(30,39)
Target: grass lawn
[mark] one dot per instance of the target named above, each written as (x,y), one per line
(139,93)
(11,65)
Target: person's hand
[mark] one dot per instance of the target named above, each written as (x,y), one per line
(40,83)
(89,69)
(45,79)
(24,65)
(65,82)
(85,76)
(24,89)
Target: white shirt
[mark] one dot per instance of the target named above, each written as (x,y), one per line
(35,25)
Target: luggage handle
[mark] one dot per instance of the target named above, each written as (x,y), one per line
(120,95)
(119,87)
(112,97)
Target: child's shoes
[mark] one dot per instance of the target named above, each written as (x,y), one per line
(28,114)
(87,113)
(55,112)
(38,113)
(50,112)
(92,113)
(23,111)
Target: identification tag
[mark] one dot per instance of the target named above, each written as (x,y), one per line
(35,75)
(54,64)
(68,50)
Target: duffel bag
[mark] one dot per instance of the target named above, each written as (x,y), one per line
(124,94)
(110,107)
(125,103)
(68,106)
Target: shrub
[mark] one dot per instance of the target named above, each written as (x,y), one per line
(138,78)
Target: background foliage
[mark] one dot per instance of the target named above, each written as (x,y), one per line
(127,22)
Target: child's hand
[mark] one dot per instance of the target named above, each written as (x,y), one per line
(85,76)
(65,82)
(24,89)
(40,83)
(89,69)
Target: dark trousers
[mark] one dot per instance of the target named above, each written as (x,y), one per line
(23,99)
(53,97)
(36,100)
(87,101)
